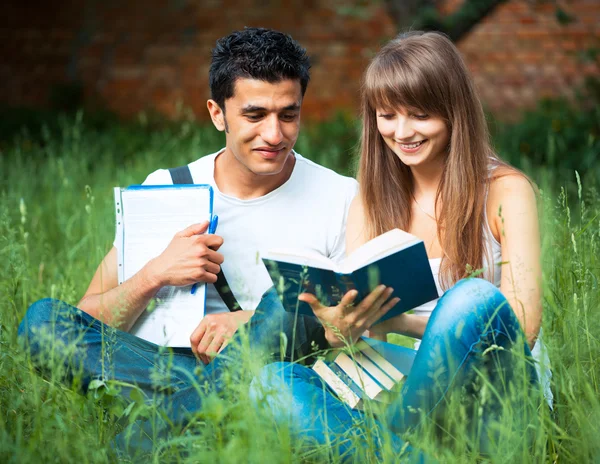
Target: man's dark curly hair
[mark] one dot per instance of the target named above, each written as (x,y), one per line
(256,53)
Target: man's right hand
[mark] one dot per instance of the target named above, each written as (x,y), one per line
(190,257)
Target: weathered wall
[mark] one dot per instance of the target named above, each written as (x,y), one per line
(521,53)
(138,55)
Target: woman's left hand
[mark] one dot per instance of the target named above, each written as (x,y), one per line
(346,322)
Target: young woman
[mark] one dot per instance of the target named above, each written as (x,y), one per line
(427,167)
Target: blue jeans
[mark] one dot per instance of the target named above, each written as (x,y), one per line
(67,342)
(472,328)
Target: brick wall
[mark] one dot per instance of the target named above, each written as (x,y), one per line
(521,53)
(154,54)
(37,49)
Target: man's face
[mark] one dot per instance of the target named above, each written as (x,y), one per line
(261,122)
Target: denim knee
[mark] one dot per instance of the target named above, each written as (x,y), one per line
(271,379)
(472,309)
(472,297)
(274,373)
(301,333)
(38,327)
(38,315)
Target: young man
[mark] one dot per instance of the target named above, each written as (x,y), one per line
(266,196)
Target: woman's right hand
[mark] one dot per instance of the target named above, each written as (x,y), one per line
(346,322)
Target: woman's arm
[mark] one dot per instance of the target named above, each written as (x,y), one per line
(347,321)
(356,235)
(356,225)
(405,324)
(513,218)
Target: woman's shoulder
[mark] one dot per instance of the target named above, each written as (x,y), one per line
(511,194)
(504,180)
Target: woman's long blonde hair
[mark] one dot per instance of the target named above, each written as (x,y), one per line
(424,71)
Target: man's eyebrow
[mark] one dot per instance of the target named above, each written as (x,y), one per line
(292,107)
(255,108)
(252,109)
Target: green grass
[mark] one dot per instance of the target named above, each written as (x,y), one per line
(56,223)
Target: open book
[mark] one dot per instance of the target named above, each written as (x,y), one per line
(147,219)
(373,370)
(396,259)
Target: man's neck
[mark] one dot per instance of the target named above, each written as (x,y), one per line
(236,180)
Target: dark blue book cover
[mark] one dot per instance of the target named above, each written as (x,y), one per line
(407,271)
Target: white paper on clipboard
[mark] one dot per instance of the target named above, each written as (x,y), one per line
(147,218)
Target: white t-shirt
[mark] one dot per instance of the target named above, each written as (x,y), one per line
(308,211)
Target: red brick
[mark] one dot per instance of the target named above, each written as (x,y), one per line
(527,20)
(135,58)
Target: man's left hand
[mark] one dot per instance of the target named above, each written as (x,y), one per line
(214,331)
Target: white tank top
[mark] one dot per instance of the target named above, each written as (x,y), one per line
(493,273)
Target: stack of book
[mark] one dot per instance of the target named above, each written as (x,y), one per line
(372,370)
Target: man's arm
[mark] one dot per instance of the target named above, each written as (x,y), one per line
(189,258)
(214,331)
(117,306)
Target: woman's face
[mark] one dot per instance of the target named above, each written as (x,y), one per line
(415,137)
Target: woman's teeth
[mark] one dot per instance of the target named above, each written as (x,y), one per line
(412,145)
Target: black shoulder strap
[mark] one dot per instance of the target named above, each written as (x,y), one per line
(182,175)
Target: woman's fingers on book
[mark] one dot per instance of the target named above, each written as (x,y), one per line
(374,299)
(375,305)
(378,314)
(383,297)
(348,298)
(346,301)
(311,300)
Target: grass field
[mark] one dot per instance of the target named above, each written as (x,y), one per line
(56,223)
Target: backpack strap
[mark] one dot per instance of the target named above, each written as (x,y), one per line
(182,175)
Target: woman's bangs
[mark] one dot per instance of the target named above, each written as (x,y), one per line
(392,86)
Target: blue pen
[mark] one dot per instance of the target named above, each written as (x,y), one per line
(212,228)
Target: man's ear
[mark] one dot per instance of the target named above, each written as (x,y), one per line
(217,115)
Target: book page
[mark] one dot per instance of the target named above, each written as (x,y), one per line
(337,385)
(151,217)
(358,375)
(377,248)
(373,250)
(374,370)
(395,360)
(174,317)
(301,258)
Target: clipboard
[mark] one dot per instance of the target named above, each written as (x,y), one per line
(147,218)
